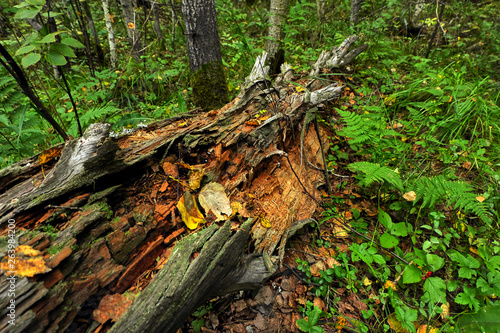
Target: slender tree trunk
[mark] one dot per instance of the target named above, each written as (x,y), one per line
(278,11)
(132,31)
(111,34)
(156,16)
(355,8)
(90,22)
(13,68)
(203,46)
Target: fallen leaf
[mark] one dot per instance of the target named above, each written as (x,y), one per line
(195,176)
(264,221)
(480,198)
(190,213)
(389,284)
(131,25)
(410,196)
(445,315)
(213,198)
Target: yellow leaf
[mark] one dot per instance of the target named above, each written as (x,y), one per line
(184,124)
(395,324)
(264,221)
(27,262)
(366,282)
(195,176)
(299,88)
(445,315)
(480,198)
(131,25)
(235,207)
(410,196)
(389,284)
(427,329)
(191,215)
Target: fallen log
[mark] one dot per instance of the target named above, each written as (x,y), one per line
(103,220)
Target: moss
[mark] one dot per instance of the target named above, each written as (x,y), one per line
(105,208)
(210,86)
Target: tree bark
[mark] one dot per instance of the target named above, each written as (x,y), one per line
(278,12)
(134,36)
(104,217)
(355,8)
(203,46)
(111,34)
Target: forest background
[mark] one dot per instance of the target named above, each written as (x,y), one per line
(420,127)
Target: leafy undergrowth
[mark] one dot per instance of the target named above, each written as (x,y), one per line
(409,239)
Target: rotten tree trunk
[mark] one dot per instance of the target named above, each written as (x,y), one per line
(103,221)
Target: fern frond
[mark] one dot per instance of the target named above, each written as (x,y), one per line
(376,172)
(459,194)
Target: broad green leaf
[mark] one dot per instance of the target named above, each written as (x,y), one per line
(468,297)
(487,319)
(36,2)
(26,13)
(399,229)
(25,49)
(313,316)
(50,38)
(303,325)
(384,219)
(435,290)
(412,274)
(436,92)
(388,241)
(435,261)
(72,42)
(30,59)
(55,58)
(65,50)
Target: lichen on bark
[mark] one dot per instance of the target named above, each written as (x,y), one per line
(210,86)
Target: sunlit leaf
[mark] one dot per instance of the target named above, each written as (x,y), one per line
(388,241)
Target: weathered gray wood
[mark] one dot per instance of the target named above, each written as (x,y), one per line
(183,285)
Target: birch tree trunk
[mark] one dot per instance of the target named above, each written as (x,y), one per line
(133,34)
(203,46)
(111,34)
(278,11)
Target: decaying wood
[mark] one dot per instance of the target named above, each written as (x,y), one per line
(104,217)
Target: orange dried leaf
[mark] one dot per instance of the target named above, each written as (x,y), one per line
(480,198)
(49,154)
(131,25)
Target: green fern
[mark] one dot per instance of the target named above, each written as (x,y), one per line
(376,172)
(365,128)
(459,194)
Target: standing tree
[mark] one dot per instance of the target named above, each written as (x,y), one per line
(203,45)
(278,11)
(133,34)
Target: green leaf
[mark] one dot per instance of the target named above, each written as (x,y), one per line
(36,2)
(303,325)
(412,274)
(384,219)
(55,58)
(487,319)
(435,289)
(62,49)
(399,229)
(313,316)
(25,49)
(388,241)
(30,59)
(26,13)
(50,38)
(468,297)
(72,42)
(317,329)
(435,261)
